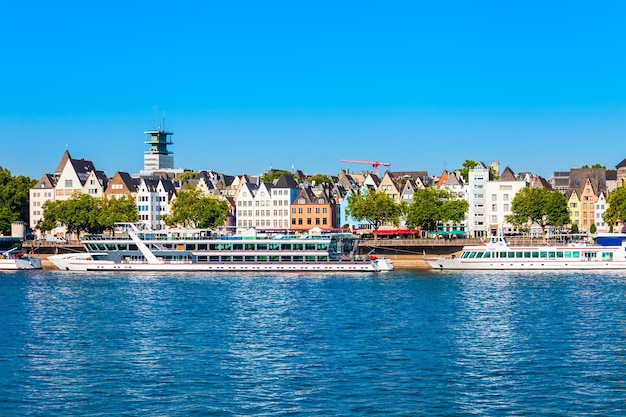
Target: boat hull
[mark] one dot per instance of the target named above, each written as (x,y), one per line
(77,262)
(21,263)
(459,264)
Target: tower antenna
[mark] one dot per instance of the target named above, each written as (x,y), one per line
(155,116)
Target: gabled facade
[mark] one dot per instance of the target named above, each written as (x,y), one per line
(388,186)
(72,176)
(313,209)
(42,192)
(244,203)
(122,184)
(95,184)
(154,197)
(573,203)
(588,199)
(601,226)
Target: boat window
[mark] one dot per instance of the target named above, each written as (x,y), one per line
(568,254)
(274,258)
(298,246)
(111,246)
(100,246)
(487,255)
(238,258)
(309,246)
(202,258)
(543,254)
(227,258)
(510,255)
(214,258)
(274,246)
(262,258)
(249,246)
(607,256)
(322,246)
(526,254)
(261,246)
(190,246)
(464,254)
(323,259)
(310,258)
(249,258)
(518,254)
(285,246)
(559,254)
(480,254)
(237,246)
(502,254)
(213,246)
(132,246)
(576,254)
(472,254)
(285,258)
(298,258)
(201,246)
(551,254)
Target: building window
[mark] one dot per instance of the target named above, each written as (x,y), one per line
(68,183)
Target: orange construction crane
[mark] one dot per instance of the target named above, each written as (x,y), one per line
(375,164)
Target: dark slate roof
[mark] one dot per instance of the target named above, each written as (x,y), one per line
(578,176)
(611,175)
(46,181)
(507,175)
(621,164)
(285,181)
(82,169)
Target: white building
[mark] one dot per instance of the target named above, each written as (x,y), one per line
(477,225)
(154,197)
(498,197)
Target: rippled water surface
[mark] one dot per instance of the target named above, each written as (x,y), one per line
(365,344)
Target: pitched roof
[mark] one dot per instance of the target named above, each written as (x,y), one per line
(507,175)
(66,157)
(285,181)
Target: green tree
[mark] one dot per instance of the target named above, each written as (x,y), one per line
(78,214)
(186,176)
(616,207)
(273,175)
(432,206)
(113,210)
(320,179)
(85,213)
(538,206)
(593,228)
(194,210)
(375,207)
(468,165)
(14,195)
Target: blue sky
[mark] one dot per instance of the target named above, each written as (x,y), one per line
(247,86)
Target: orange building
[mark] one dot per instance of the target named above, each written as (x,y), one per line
(313,209)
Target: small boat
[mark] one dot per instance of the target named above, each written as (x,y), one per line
(14,259)
(497,254)
(203,251)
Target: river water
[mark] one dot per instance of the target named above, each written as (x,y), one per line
(401,343)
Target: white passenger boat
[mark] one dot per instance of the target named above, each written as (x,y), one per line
(14,259)
(136,250)
(497,254)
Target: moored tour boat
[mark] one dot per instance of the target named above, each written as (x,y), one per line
(497,254)
(201,251)
(14,259)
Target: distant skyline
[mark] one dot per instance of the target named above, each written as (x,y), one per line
(249,86)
